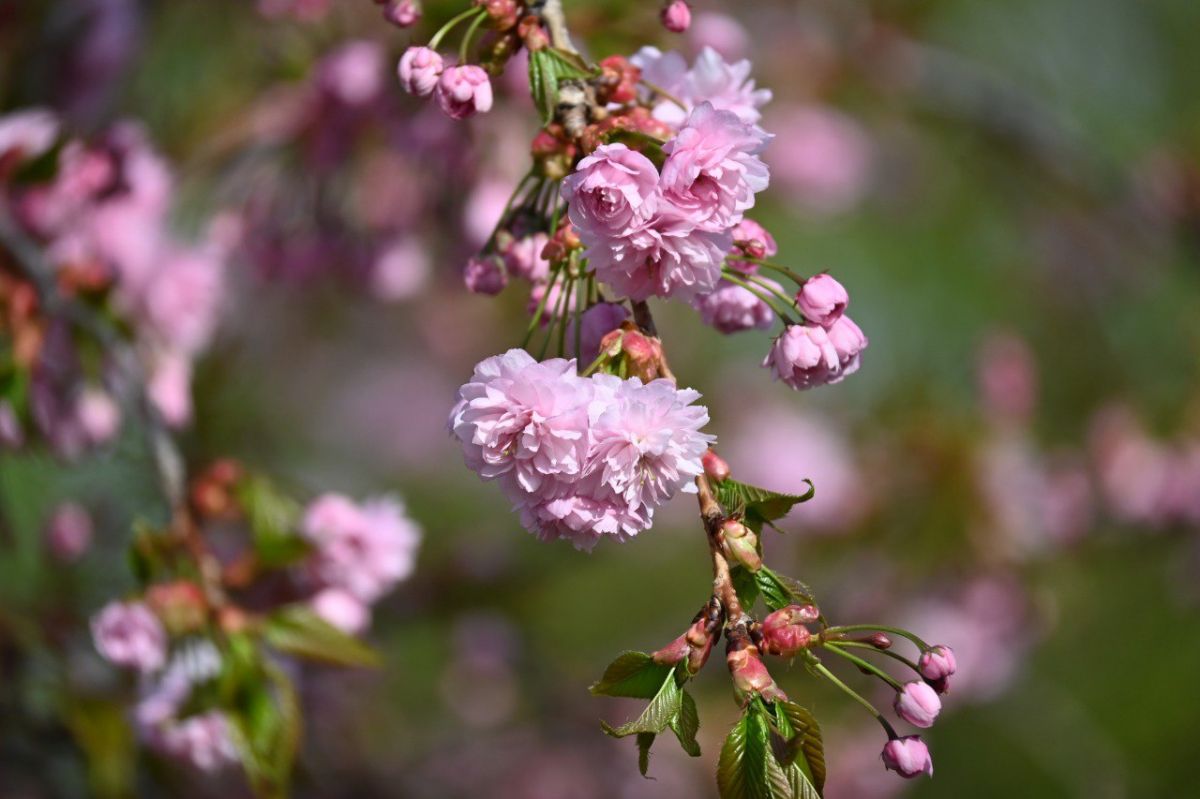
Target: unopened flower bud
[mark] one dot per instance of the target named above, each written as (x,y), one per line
(463,91)
(419,70)
(673,652)
(937,663)
(877,640)
(715,467)
(749,673)
(533,34)
(69,532)
(502,13)
(485,275)
(918,704)
(402,13)
(180,605)
(741,544)
(643,353)
(676,16)
(784,632)
(822,300)
(699,655)
(618,80)
(907,756)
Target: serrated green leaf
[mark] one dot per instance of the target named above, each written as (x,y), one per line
(570,65)
(687,724)
(745,583)
(803,748)
(543,82)
(297,630)
(780,591)
(657,716)
(758,504)
(632,674)
(644,741)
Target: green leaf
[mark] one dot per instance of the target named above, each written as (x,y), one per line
(686,725)
(644,741)
(745,583)
(543,82)
(273,518)
(266,723)
(632,674)
(758,504)
(657,716)
(570,65)
(780,591)
(803,747)
(297,630)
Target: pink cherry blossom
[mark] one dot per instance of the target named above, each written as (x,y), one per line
(402,13)
(521,417)
(524,258)
(848,342)
(69,532)
(353,73)
(169,387)
(610,194)
(711,79)
(401,270)
(713,169)
(342,609)
(647,442)
(463,91)
(128,634)
(28,133)
(918,704)
(669,256)
(364,549)
(731,308)
(485,275)
(754,240)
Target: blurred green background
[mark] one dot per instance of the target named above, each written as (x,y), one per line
(1030,175)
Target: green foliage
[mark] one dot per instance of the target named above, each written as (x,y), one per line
(751,768)
(273,518)
(297,630)
(547,67)
(264,710)
(670,705)
(779,590)
(758,504)
(632,674)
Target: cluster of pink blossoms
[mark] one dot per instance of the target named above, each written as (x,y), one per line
(361,550)
(827,347)
(579,457)
(666,235)
(102,220)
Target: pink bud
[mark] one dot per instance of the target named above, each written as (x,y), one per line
(937,663)
(402,13)
(69,532)
(673,652)
(342,609)
(918,704)
(715,466)
(676,16)
(822,300)
(98,415)
(750,676)
(464,90)
(908,756)
(419,70)
(848,342)
(485,275)
(784,632)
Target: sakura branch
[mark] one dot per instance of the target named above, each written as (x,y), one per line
(642,175)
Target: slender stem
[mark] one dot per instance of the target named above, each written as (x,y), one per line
(504,216)
(537,316)
(663,92)
(758,281)
(465,47)
(757,292)
(855,628)
(783,270)
(580,308)
(850,692)
(889,653)
(449,26)
(864,664)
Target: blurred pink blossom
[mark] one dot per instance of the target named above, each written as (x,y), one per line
(69,532)
(826,163)
(402,269)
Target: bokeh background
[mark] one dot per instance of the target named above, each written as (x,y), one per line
(1011,193)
